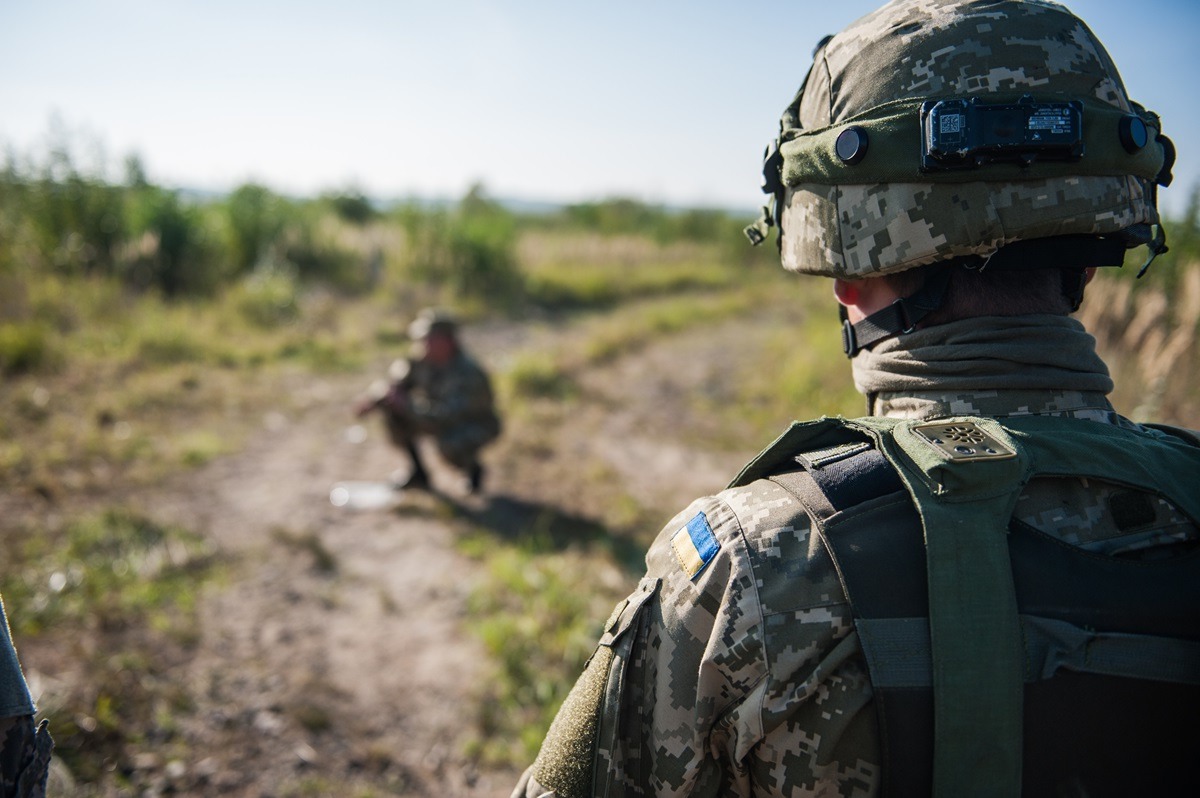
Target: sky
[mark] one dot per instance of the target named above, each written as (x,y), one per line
(542,100)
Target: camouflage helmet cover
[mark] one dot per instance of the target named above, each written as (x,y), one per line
(867,219)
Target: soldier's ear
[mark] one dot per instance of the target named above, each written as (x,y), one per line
(1089,273)
(846,291)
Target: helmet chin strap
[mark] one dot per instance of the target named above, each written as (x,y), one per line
(898,318)
(1072,254)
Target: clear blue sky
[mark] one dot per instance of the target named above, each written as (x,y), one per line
(666,101)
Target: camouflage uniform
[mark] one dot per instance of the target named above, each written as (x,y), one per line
(749,679)
(735,667)
(452,404)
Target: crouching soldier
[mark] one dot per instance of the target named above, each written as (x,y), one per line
(440,392)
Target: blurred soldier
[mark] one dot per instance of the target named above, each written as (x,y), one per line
(441,393)
(990,585)
(24,747)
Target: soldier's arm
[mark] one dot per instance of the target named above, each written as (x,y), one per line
(658,709)
(371,398)
(384,391)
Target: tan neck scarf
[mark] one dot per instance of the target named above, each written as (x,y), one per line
(1039,352)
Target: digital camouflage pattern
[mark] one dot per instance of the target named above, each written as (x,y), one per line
(749,679)
(453,404)
(25,751)
(936,49)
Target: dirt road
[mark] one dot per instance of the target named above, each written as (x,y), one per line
(334,656)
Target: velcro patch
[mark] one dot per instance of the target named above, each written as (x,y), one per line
(695,545)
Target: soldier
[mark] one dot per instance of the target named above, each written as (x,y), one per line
(25,748)
(990,585)
(441,393)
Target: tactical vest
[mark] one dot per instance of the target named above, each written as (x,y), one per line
(1003,661)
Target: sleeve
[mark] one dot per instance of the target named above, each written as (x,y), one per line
(399,373)
(663,707)
(14,693)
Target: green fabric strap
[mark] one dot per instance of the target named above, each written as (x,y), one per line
(1166,465)
(894,151)
(898,653)
(965,508)
(974,630)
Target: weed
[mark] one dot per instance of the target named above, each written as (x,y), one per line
(268,297)
(539,628)
(24,347)
(199,447)
(537,375)
(1147,336)
(582,271)
(169,346)
(123,588)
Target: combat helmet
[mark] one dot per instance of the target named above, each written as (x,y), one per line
(931,130)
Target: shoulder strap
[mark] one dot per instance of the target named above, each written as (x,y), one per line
(1190,435)
(870,527)
(799,437)
(964,476)
(973,624)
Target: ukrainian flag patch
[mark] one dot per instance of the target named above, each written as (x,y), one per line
(695,545)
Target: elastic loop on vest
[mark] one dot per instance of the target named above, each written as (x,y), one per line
(898,655)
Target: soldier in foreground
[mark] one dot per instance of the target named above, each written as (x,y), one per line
(441,393)
(990,585)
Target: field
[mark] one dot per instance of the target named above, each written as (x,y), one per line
(176,381)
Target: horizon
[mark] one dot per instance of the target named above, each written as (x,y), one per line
(669,104)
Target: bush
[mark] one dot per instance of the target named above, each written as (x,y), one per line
(471,251)
(168,246)
(254,218)
(315,259)
(269,297)
(351,206)
(24,347)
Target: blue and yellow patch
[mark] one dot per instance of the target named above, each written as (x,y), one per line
(695,545)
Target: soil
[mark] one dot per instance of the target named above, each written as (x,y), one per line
(334,651)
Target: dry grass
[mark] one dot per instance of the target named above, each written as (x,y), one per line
(1148,339)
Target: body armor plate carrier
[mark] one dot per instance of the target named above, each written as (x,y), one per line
(1004,661)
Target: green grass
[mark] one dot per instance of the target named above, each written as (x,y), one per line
(537,375)
(104,569)
(798,373)
(119,591)
(25,347)
(574,285)
(539,628)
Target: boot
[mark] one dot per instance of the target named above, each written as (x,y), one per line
(418,477)
(475,478)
